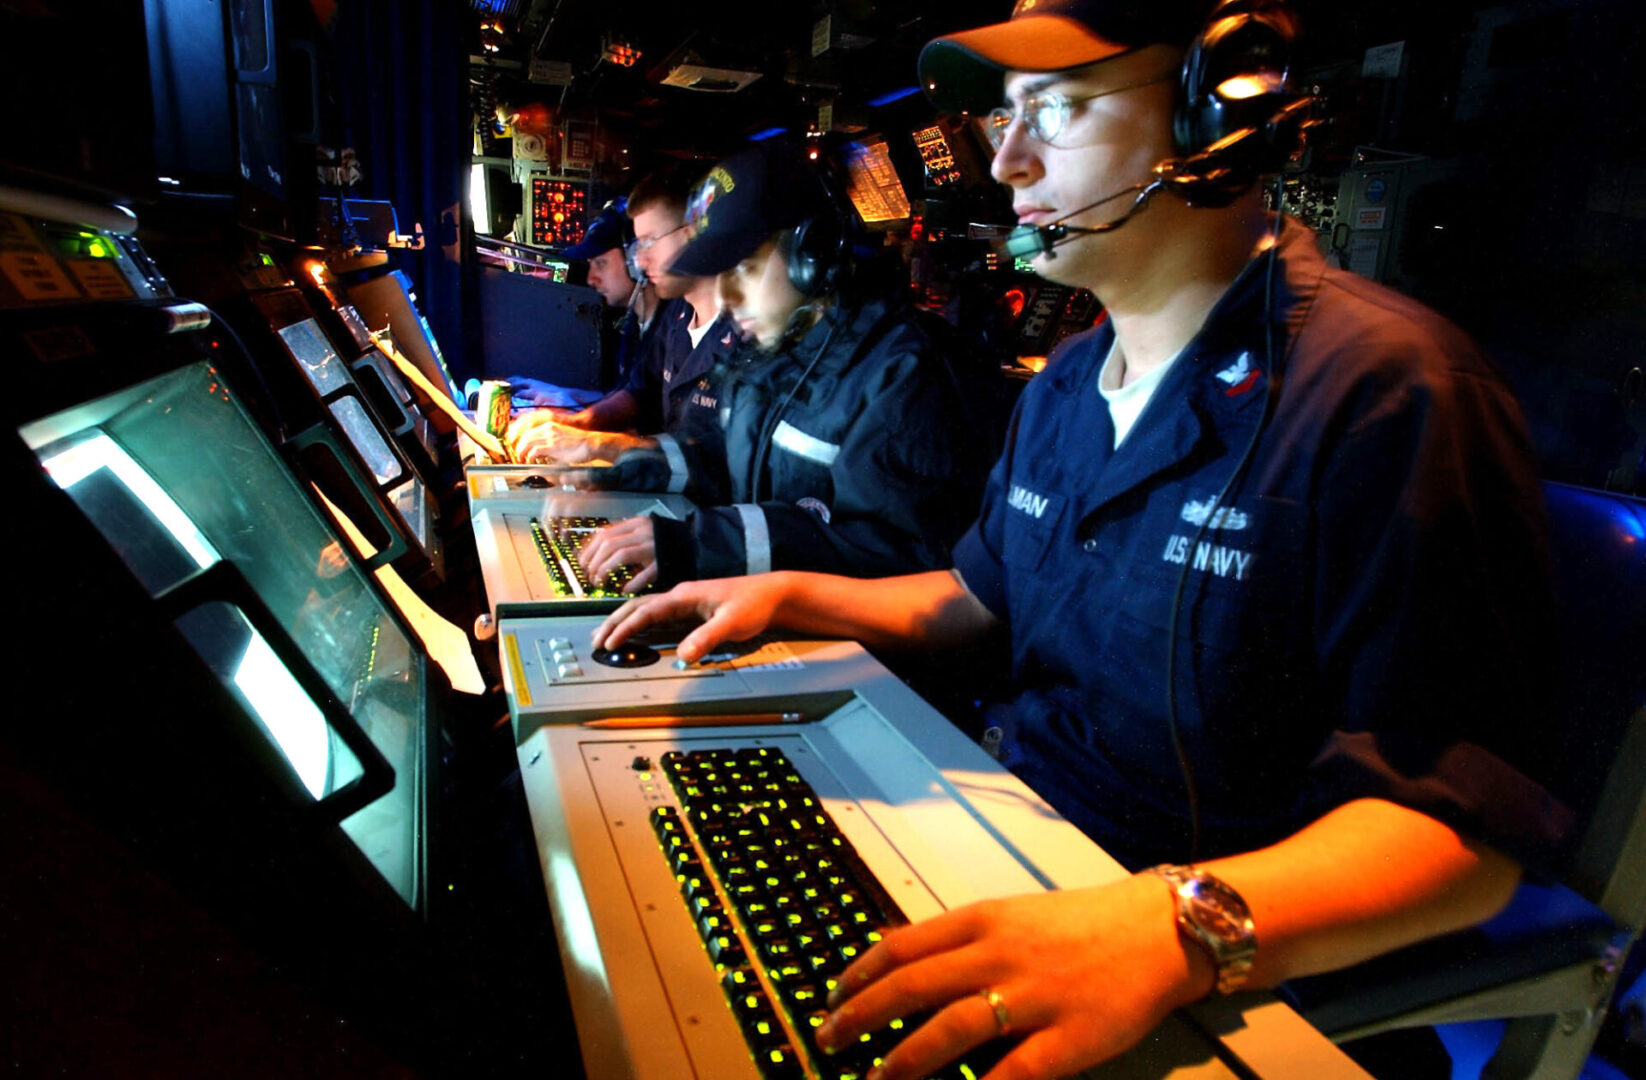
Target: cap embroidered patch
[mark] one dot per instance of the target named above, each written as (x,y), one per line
(719,182)
(741,203)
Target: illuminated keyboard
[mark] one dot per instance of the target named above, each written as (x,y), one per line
(558,541)
(782,901)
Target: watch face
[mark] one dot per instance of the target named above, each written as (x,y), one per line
(1219,911)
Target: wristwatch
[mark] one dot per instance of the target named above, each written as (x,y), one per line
(1213,916)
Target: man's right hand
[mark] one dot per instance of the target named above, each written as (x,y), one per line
(732,609)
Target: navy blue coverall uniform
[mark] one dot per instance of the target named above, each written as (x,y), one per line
(633,344)
(670,378)
(861,450)
(1365,615)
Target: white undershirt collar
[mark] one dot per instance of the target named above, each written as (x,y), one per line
(1126,403)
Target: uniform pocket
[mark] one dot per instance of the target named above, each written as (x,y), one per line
(1031,523)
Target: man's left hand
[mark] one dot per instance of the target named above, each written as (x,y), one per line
(630,542)
(535,395)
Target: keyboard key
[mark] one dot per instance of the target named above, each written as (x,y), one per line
(727,951)
(802,997)
(739,980)
(779,1063)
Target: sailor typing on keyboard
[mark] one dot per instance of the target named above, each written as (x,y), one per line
(1267,549)
(851,433)
(629,316)
(664,381)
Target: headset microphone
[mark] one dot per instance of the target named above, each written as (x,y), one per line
(1027,241)
(1212,177)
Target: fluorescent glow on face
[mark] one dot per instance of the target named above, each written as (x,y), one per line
(292,720)
(759,295)
(610,278)
(80,461)
(659,235)
(1109,144)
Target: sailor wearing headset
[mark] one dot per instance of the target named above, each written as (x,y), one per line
(852,434)
(1268,548)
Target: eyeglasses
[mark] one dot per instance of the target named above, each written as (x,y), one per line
(642,245)
(1047,114)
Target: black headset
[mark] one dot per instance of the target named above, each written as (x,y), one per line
(621,206)
(1236,118)
(817,251)
(1225,138)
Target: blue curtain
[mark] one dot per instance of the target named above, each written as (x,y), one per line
(402,82)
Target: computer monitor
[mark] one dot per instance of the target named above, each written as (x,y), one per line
(162,471)
(873,185)
(559,211)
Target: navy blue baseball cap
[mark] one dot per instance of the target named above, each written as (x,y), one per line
(964,71)
(609,229)
(742,202)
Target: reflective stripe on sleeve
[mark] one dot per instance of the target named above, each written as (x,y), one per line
(807,446)
(678,473)
(757,538)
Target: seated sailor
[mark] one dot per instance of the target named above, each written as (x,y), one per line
(851,433)
(667,377)
(1268,548)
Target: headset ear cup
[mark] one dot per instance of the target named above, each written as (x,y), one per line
(816,252)
(818,249)
(1254,41)
(801,260)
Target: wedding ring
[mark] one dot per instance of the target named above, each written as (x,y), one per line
(1002,1018)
